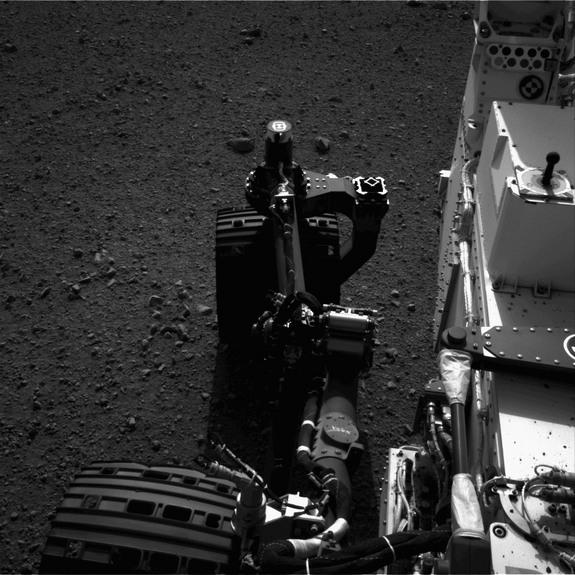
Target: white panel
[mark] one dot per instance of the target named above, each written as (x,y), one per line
(536,423)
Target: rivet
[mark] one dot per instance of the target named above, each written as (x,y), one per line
(549,329)
(515,329)
(487,335)
(531,329)
(537,358)
(497,328)
(565,330)
(474,346)
(520,355)
(501,353)
(555,361)
(488,343)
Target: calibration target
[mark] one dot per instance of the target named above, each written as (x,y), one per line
(531,87)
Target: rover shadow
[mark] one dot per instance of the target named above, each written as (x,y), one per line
(242,412)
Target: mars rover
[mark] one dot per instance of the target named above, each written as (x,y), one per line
(490,488)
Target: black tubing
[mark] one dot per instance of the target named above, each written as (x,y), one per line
(460,460)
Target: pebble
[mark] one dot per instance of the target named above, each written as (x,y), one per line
(131,422)
(44,292)
(75,288)
(77,253)
(407,429)
(241,145)
(411,307)
(155,301)
(204,309)
(205,395)
(391,385)
(156,445)
(9,47)
(395,293)
(322,144)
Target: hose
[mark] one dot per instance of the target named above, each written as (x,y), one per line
(365,557)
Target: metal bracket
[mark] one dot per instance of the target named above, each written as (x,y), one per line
(532,349)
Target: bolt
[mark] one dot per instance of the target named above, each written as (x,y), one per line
(499,531)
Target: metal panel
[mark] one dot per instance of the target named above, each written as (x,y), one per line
(512,553)
(535,423)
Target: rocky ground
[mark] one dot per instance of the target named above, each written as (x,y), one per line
(115,119)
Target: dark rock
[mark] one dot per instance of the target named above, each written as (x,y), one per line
(241,145)
(322,144)
(45,292)
(411,307)
(155,301)
(77,253)
(204,309)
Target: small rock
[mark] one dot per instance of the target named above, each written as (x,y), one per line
(205,395)
(395,293)
(391,353)
(322,144)
(204,309)
(156,445)
(411,307)
(391,385)
(74,292)
(110,272)
(77,253)
(407,429)
(9,47)
(44,293)
(344,134)
(111,283)
(466,15)
(131,423)
(155,301)
(14,515)
(395,303)
(241,145)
